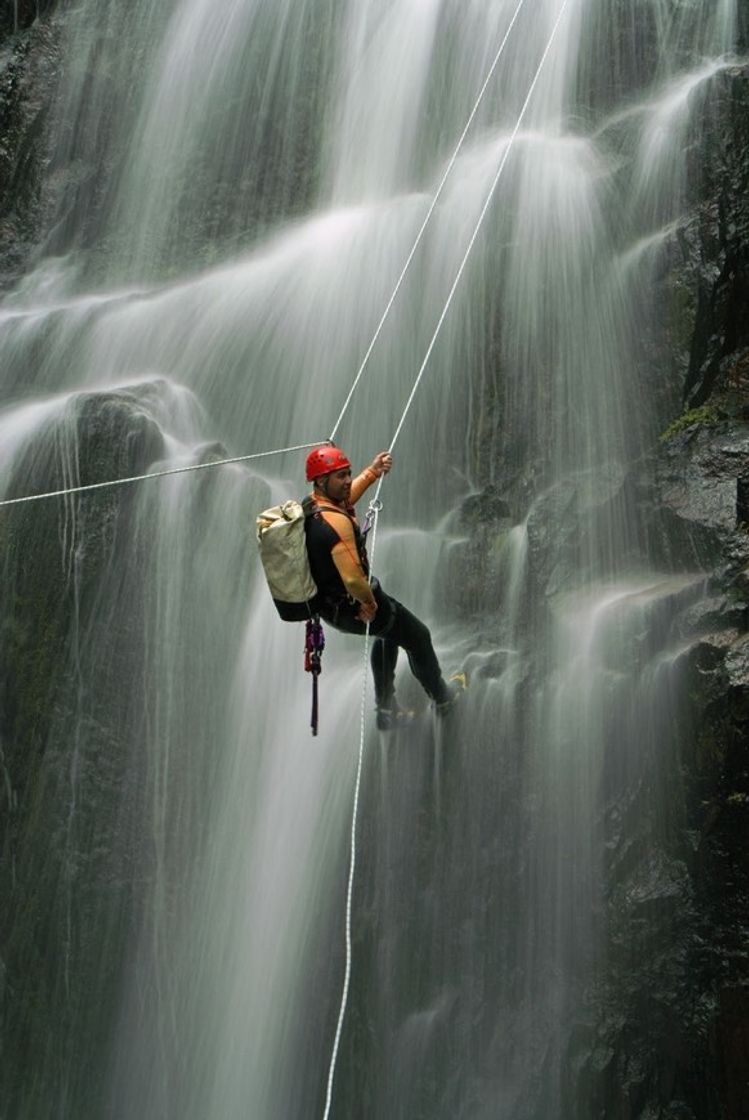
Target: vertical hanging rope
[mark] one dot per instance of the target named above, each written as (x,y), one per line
(374,509)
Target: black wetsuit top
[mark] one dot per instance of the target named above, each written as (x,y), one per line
(321,540)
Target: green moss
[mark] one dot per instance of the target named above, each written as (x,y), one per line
(499,541)
(704,416)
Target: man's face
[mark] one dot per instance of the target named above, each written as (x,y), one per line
(338,486)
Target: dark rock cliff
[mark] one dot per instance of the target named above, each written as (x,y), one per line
(29,66)
(692,1057)
(666,1035)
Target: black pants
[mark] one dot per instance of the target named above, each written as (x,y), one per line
(393,628)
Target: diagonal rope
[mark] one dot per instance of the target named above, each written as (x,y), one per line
(424,224)
(304,446)
(374,507)
(156,474)
(479,223)
(301,447)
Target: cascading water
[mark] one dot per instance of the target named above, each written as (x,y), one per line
(256,175)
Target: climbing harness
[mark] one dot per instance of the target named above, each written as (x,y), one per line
(373,509)
(314,644)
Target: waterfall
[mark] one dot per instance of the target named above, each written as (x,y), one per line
(238,188)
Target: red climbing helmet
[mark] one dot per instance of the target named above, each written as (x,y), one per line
(323,460)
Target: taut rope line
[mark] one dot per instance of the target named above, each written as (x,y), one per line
(374,507)
(367,355)
(425,223)
(156,474)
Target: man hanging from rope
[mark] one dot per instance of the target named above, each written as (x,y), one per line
(348,601)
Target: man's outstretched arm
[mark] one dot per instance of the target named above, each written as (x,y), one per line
(380,465)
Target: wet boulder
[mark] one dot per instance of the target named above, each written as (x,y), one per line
(701,481)
(566,545)
(720,261)
(481,525)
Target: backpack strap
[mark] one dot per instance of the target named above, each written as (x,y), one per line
(311,507)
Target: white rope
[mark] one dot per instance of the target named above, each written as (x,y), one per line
(349,889)
(374,506)
(156,474)
(301,447)
(305,446)
(424,224)
(479,223)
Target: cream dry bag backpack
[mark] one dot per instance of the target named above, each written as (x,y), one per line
(283,552)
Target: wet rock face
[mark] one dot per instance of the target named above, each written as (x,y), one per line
(483,521)
(17,15)
(718,809)
(668,1005)
(718,360)
(700,487)
(671,1008)
(676,950)
(704,487)
(666,1033)
(29,62)
(667,1030)
(70,824)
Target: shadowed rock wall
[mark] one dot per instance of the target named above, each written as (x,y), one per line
(667,1034)
(29,65)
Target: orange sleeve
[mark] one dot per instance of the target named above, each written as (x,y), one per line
(361,483)
(345,555)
